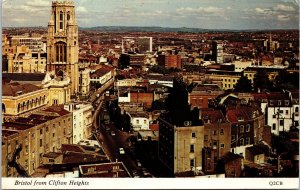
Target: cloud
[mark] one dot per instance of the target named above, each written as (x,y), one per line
(209,10)
(81,9)
(263,11)
(283,17)
(282,7)
(38,3)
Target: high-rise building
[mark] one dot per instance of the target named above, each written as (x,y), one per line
(62,42)
(217,51)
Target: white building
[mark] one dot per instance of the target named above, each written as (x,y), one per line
(239,66)
(82,120)
(84,82)
(139,120)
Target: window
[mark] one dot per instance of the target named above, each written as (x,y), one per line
(297,109)
(286,102)
(241,142)
(214,132)
(53,134)
(26,149)
(247,127)
(137,121)
(279,102)
(222,145)
(241,128)
(47,129)
(193,135)
(232,137)
(192,163)
(222,131)
(274,126)
(41,131)
(192,148)
(286,112)
(281,122)
(274,116)
(41,142)
(247,141)
(205,137)
(51,160)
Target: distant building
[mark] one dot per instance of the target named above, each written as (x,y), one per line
(202,94)
(84,82)
(180,147)
(35,44)
(227,78)
(217,51)
(169,61)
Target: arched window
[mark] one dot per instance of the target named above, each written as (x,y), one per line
(37,102)
(61,18)
(40,100)
(44,99)
(68,16)
(27,105)
(3,108)
(19,107)
(23,106)
(61,52)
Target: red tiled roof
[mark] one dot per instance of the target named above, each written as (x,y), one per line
(154,127)
(244,113)
(57,109)
(15,88)
(212,115)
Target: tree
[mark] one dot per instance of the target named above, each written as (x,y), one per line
(243,85)
(286,80)
(261,81)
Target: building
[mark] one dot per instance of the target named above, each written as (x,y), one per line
(59,90)
(279,112)
(180,147)
(139,120)
(201,95)
(38,79)
(62,42)
(111,170)
(169,61)
(217,51)
(22,99)
(37,134)
(24,61)
(227,78)
(217,138)
(82,120)
(35,44)
(145,44)
(84,82)
(247,124)
(102,75)
(232,164)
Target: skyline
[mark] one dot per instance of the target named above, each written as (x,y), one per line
(231,14)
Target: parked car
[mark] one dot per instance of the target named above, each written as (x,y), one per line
(121,151)
(138,163)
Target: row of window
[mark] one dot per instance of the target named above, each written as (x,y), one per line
(242,141)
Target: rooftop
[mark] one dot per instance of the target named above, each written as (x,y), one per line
(16,89)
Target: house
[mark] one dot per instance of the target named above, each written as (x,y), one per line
(180,147)
(217,138)
(139,120)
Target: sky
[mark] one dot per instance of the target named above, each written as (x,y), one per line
(207,14)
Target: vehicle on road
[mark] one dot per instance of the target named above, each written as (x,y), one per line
(138,163)
(112,133)
(121,151)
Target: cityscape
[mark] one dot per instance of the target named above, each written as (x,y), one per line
(147,96)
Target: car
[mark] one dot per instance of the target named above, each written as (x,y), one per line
(121,151)
(138,163)
(112,133)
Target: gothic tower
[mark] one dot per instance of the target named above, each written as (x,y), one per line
(62,42)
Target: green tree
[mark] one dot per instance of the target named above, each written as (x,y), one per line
(286,80)
(243,85)
(261,81)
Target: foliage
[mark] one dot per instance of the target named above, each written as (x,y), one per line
(243,85)
(287,80)
(261,81)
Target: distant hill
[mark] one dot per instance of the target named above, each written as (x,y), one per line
(144,29)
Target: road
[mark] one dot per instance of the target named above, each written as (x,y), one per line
(112,143)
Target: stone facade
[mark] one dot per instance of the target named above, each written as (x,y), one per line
(62,42)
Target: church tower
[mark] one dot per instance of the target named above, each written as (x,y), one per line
(62,42)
